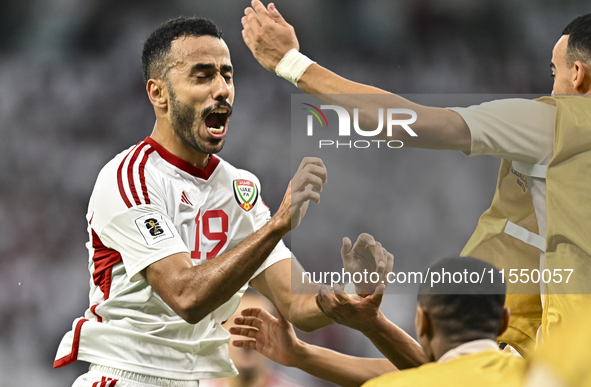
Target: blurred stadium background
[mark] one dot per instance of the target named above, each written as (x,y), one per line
(73,97)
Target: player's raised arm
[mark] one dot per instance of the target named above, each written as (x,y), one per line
(195,291)
(274,44)
(276,339)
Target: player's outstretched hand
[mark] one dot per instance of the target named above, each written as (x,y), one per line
(267,34)
(352,311)
(365,257)
(310,175)
(273,337)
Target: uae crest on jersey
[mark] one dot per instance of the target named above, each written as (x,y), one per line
(246,193)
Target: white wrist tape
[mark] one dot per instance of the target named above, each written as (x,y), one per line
(293,65)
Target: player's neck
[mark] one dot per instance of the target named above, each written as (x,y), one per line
(172,143)
(441,346)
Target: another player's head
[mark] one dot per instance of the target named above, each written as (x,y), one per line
(189,79)
(251,364)
(571,58)
(460,307)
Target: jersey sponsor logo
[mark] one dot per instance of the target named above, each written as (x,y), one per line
(105,382)
(246,193)
(153,228)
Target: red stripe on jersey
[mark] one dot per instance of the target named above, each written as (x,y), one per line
(104,260)
(130,179)
(141,171)
(73,356)
(120,181)
(93,310)
(182,164)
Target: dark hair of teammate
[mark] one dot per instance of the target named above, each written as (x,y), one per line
(470,309)
(579,40)
(157,46)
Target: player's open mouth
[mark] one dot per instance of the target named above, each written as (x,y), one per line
(216,121)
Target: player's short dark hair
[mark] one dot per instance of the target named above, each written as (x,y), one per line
(579,40)
(468,310)
(157,45)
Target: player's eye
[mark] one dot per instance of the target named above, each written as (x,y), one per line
(552,75)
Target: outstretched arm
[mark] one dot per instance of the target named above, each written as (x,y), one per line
(195,291)
(285,284)
(270,37)
(276,339)
(363,314)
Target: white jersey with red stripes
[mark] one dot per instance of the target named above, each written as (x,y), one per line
(148,204)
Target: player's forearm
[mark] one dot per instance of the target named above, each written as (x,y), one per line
(394,343)
(199,290)
(214,282)
(281,284)
(295,297)
(305,314)
(320,80)
(337,368)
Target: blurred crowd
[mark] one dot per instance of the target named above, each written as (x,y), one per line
(72,97)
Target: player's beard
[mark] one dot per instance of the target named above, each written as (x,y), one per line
(185,122)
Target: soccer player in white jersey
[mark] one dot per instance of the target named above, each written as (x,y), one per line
(521,131)
(177,233)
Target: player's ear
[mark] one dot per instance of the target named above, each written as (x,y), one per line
(157,93)
(581,80)
(423,323)
(504,321)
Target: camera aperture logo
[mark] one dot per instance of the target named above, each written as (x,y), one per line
(345,126)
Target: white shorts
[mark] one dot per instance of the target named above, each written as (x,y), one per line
(100,376)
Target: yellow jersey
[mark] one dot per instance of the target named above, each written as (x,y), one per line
(482,369)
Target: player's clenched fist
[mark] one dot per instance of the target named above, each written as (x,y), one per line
(267,34)
(306,185)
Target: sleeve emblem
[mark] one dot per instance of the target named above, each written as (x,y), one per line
(154,228)
(245,193)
